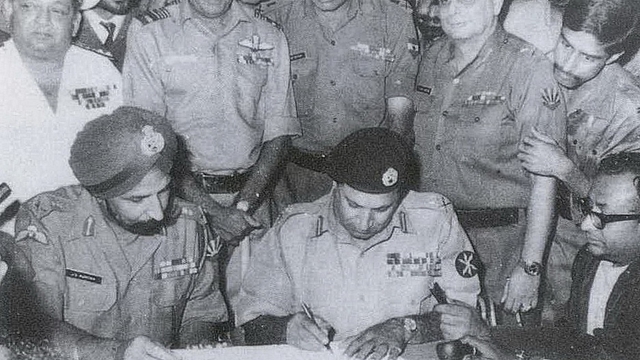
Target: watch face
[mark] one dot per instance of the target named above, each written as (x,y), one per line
(533,269)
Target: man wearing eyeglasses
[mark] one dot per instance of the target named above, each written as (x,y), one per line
(478,93)
(602,103)
(603,311)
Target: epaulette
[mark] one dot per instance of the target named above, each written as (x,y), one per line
(152,15)
(257,13)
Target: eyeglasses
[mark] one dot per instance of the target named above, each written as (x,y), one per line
(600,220)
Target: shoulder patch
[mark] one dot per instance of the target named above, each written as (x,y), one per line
(258,14)
(32,232)
(468,264)
(152,15)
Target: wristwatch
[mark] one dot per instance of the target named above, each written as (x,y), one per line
(532,268)
(410,327)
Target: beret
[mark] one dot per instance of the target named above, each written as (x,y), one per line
(372,160)
(112,153)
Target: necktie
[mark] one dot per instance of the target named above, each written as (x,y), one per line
(111,29)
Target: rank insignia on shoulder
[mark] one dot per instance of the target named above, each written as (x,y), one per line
(550,98)
(152,15)
(379,53)
(467,264)
(258,13)
(93,97)
(424,89)
(32,232)
(485,98)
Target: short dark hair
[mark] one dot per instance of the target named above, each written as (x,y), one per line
(610,21)
(622,163)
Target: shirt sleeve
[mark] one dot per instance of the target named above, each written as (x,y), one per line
(401,78)
(539,102)
(142,84)
(460,264)
(267,288)
(42,267)
(276,105)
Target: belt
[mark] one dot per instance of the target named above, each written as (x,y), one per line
(308,160)
(222,184)
(486,218)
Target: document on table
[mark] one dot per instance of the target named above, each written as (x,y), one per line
(268,352)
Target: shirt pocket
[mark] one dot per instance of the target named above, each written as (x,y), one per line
(169,292)
(181,73)
(85,301)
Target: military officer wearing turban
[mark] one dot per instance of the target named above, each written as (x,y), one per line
(363,258)
(120,257)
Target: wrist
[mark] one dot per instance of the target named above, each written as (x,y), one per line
(566,170)
(530,267)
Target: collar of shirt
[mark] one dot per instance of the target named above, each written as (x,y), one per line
(234,16)
(94,20)
(590,96)
(399,221)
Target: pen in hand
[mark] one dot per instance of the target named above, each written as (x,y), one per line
(309,313)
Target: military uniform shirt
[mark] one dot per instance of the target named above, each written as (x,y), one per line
(89,272)
(309,257)
(225,93)
(469,124)
(341,79)
(36,141)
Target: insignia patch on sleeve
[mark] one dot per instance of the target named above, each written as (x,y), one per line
(32,232)
(467,264)
(550,98)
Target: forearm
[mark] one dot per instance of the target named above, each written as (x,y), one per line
(264,171)
(266,330)
(399,117)
(428,328)
(540,217)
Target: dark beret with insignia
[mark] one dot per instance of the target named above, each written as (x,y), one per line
(112,154)
(372,160)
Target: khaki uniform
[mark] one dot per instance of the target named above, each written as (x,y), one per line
(468,128)
(91,273)
(309,257)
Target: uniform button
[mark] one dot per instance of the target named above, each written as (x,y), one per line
(594,152)
(335,120)
(333,42)
(476,119)
(445,113)
(438,147)
(294,76)
(333,83)
(456,81)
(575,142)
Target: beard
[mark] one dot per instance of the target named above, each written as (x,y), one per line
(149,227)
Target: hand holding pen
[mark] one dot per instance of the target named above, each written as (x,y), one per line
(307,331)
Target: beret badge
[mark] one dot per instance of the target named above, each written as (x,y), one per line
(390,177)
(152,142)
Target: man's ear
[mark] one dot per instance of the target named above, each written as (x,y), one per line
(497,7)
(613,58)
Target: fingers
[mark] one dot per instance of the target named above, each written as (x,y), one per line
(3,269)
(484,347)
(542,137)
(252,221)
(159,352)
(318,333)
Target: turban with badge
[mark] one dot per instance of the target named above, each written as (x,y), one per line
(112,154)
(372,160)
